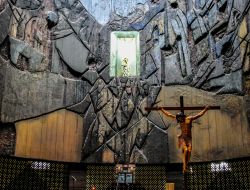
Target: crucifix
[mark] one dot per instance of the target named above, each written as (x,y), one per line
(185,138)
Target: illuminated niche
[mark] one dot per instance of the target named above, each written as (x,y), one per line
(125,54)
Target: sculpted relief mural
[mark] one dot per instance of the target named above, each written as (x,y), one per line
(55,54)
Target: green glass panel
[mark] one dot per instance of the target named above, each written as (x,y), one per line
(124,54)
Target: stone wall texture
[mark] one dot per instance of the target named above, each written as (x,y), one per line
(55,55)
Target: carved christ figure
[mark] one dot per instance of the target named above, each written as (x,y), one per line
(185,138)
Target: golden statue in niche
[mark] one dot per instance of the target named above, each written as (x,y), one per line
(125,54)
(125,67)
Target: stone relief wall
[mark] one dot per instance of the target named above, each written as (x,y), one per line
(55,55)
(8,138)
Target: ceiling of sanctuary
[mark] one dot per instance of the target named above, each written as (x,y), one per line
(102,10)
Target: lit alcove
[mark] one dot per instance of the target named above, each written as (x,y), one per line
(125,54)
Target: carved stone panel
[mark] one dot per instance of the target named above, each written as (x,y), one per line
(57,55)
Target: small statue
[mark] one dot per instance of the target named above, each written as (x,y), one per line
(125,67)
(185,138)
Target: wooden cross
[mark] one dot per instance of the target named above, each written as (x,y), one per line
(181,108)
(185,137)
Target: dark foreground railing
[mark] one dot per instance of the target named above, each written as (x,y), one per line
(17,173)
(220,175)
(30,174)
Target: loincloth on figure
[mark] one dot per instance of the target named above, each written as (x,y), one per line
(184,140)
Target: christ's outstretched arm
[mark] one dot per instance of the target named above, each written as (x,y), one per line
(199,114)
(166,113)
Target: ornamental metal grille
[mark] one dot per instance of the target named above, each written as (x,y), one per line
(151,177)
(223,175)
(26,174)
(100,176)
(147,177)
(20,174)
